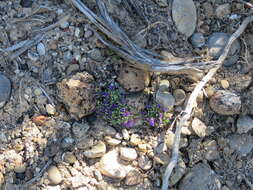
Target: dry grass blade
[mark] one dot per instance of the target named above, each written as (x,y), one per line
(138,57)
(186,114)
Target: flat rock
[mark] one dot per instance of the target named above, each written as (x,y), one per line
(225,103)
(200,177)
(110,165)
(165,99)
(242,144)
(96,151)
(128,154)
(211,150)
(199,127)
(77,92)
(244,124)
(185,16)
(54,175)
(216,44)
(5,90)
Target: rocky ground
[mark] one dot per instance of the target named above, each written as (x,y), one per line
(73,115)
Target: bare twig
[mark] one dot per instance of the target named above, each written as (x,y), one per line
(186,114)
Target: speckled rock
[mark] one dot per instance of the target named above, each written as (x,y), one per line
(54,175)
(210,150)
(128,154)
(200,177)
(5,90)
(223,10)
(197,40)
(134,177)
(179,96)
(144,163)
(185,16)
(165,99)
(78,94)
(225,103)
(69,157)
(132,79)
(199,127)
(96,151)
(242,144)
(244,124)
(216,44)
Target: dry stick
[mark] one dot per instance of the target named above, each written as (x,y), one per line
(186,114)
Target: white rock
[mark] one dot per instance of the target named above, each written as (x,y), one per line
(125,134)
(50,109)
(96,151)
(41,49)
(128,154)
(199,127)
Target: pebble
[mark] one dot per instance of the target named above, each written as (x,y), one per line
(242,143)
(50,109)
(96,55)
(64,24)
(179,96)
(20,168)
(225,103)
(96,151)
(80,129)
(41,49)
(79,32)
(135,140)
(125,134)
(69,157)
(88,34)
(33,56)
(97,175)
(134,177)
(164,85)
(185,16)
(67,142)
(165,99)
(211,150)
(200,177)
(223,11)
(244,124)
(110,166)
(144,163)
(197,40)
(209,91)
(199,127)
(224,84)
(72,68)
(37,91)
(112,141)
(128,154)
(5,90)
(54,175)
(216,44)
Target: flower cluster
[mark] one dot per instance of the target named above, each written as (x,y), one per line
(113,107)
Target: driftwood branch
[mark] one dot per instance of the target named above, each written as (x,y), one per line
(186,114)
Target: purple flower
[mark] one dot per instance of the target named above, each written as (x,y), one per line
(129,123)
(151,121)
(126,114)
(111,86)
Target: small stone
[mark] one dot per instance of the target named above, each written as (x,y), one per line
(5,90)
(164,85)
(88,34)
(242,144)
(33,56)
(200,177)
(54,175)
(37,92)
(199,127)
(41,49)
(80,129)
(179,96)
(96,55)
(110,131)
(110,166)
(209,91)
(144,163)
(179,172)
(20,168)
(98,175)
(64,24)
(72,68)
(69,157)
(216,43)
(223,11)
(225,103)
(165,99)
(244,124)
(96,151)
(198,40)
(125,134)
(112,141)
(211,150)
(128,154)
(224,84)
(135,140)
(50,109)
(134,177)
(208,8)
(185,16)
(67,142)
(79,32)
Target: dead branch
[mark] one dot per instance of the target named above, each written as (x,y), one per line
(186,114)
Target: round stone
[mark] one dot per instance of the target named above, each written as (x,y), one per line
(224,84)
(216,44)
(165,99)
(69,157)
(244,124)
(128,154)
(197,40)
(5,89)
(41,49)
(54,175)
(225,103)
(50,109)
(179,96)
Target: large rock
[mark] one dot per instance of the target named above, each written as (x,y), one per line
(200,177)
(5,90)
(185,16)
(78,94)
(128,154)
(225,103)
